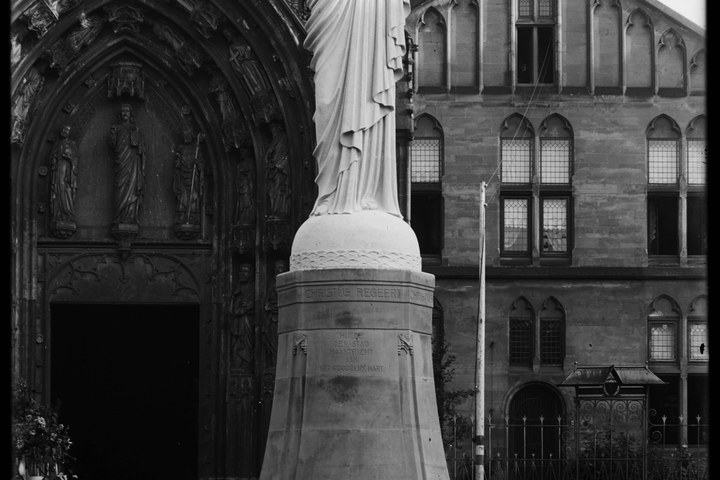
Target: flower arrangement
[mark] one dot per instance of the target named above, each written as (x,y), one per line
(40,442)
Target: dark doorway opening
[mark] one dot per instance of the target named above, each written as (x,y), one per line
(126,380)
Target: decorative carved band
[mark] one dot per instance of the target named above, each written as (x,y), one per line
(321,260)
(405,344)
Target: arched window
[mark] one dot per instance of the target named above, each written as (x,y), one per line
(552,333)
(556,168)
(530,191)
(516,170)
(663,323)
(663,159)
(521,334)
(426,206)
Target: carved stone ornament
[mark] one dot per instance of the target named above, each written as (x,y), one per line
(205,16)
(278,235)
(126,79)
(242,323)
(299,344)
(405,344)
(243,239)
(124,17)
(24,104)
(41,16)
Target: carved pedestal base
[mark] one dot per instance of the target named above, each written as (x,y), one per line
(125,231)
(354,391)
(187,231)
(60,229)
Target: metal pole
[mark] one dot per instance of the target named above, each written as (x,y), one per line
(479,439)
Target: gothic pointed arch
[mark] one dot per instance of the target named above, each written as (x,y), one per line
(214,97)
(639,53)
(671,64)
(432,58)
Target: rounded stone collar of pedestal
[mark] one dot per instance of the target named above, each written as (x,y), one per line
(365,239)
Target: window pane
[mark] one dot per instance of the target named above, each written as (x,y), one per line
(425,154)
(525,8)
(698,341)
(554,218)
(662,225)
(697,160)
(663,339)
(520,342)
(662,157)
(551,342)
(555,160)
(697,225)
(545,8)
(515,162)
(515,225)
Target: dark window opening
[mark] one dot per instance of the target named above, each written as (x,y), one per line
(535,54)
(662,225)
(426,221)
(696,225)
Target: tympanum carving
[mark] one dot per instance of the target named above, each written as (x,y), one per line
(126,79)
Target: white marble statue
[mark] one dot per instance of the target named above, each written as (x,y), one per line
(358,48)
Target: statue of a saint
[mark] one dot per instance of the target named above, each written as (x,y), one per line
(245,212)
(63,184)
(358,47)
(188,182)
(270,327)
(278,174)
(242,328)
(128,150)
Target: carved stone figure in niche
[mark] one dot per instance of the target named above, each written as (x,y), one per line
(270,330)
(234,134)
(63,51)
(205,17)
(278,174)
(63,185)
(23,105)
(245,63)
(124,17)
(128,151)
(242,324)
(245,212)
(188,183)
(186,54)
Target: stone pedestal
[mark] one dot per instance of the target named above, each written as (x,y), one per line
(354,391)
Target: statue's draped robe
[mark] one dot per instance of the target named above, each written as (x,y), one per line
(64,182)
(129,171)
(358,48)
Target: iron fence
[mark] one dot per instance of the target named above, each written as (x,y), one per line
(578,449)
